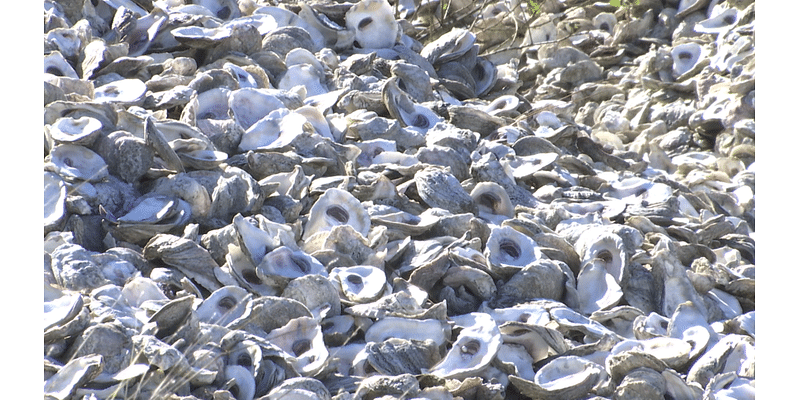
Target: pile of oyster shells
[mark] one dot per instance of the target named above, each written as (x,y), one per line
(439,199)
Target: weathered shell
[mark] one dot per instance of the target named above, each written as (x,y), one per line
(185,255)
(283,264)
(299,388)
(439,188)
(317,293)
(684,57)
(538,341)
(55,64)
(563,377)
(731,353)
(307,76)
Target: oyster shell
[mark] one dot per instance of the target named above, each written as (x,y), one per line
(55,197)
(473,350)
(223,306)
(402,108)
(634,194)
(79,131)
(360,284)
(302,340)
(336,207)
(78,163)
(508,250)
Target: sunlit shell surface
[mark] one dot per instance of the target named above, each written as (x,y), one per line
(379,199)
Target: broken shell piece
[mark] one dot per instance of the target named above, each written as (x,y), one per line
(373,23)
(360,284)
(508,250)
(302,340)
(473,350)
(336,207)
